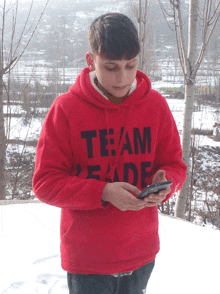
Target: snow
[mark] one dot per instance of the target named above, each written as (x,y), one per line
(206,141)
(188,262)
(203,119)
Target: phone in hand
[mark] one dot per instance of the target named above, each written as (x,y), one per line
(154,189)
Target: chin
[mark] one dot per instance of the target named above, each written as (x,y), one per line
(120,95)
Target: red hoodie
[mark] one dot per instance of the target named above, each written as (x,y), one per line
(87,141)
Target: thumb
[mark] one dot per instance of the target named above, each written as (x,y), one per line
(160,176)
(131,188)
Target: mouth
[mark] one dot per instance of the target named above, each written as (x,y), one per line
(120,88)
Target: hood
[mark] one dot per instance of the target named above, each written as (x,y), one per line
(84,90)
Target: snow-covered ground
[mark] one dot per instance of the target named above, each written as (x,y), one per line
(189,260)
(203,119)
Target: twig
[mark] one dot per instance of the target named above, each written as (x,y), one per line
(4,70)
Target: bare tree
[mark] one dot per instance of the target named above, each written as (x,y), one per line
(207,12)
(141,11)
(11,50)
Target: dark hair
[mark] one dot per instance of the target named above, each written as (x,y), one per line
(114,36)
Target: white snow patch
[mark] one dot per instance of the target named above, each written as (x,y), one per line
(188,262)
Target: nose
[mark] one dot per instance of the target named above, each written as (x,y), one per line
(121,77)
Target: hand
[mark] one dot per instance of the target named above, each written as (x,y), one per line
(119,195)
(156,199)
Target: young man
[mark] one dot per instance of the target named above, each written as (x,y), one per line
(102,143)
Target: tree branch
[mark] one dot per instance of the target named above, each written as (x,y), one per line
(179,31)
(14,20)
(24,27)
(2,35)
(214,14)
(175,5)
(4,70)
(165,14)
(180,55)
(206,41)
(32,34)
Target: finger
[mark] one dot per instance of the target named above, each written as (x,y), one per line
(136,208)
(154,200)
(132,207)
(138,203)
(164,195)
(152,204)
(165,192)
(134,204)
(132,199)
(152,197)
(131,188)
(160,176)
(161,194)
(157,199)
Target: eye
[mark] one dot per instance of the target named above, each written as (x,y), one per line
(111,68)
(130,67)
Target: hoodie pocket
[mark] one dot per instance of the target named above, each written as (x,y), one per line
(68,226)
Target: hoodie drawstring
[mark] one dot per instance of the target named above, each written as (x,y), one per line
(113,165)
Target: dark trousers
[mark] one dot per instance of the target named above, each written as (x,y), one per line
(135,283)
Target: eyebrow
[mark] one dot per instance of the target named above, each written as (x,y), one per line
(112,62)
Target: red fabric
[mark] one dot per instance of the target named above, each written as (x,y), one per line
(85,142)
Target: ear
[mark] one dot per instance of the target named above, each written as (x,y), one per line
(90,61)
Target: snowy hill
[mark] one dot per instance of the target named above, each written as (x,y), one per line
(189,260)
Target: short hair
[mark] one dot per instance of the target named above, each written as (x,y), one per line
(114,36)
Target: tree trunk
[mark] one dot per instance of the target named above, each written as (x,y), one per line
(2,146)
(186,145)
(140,34)
(189,100)
(6,64)
(142,31)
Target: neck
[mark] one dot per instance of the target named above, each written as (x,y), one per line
(111,98)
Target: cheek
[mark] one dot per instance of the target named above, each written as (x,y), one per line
(132,76)
(106,78)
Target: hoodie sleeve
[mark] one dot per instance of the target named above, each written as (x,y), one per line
(168,155)
(52,182)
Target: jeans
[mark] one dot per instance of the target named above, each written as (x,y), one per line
(135,283)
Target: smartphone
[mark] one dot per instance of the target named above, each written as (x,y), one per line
(154,189)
